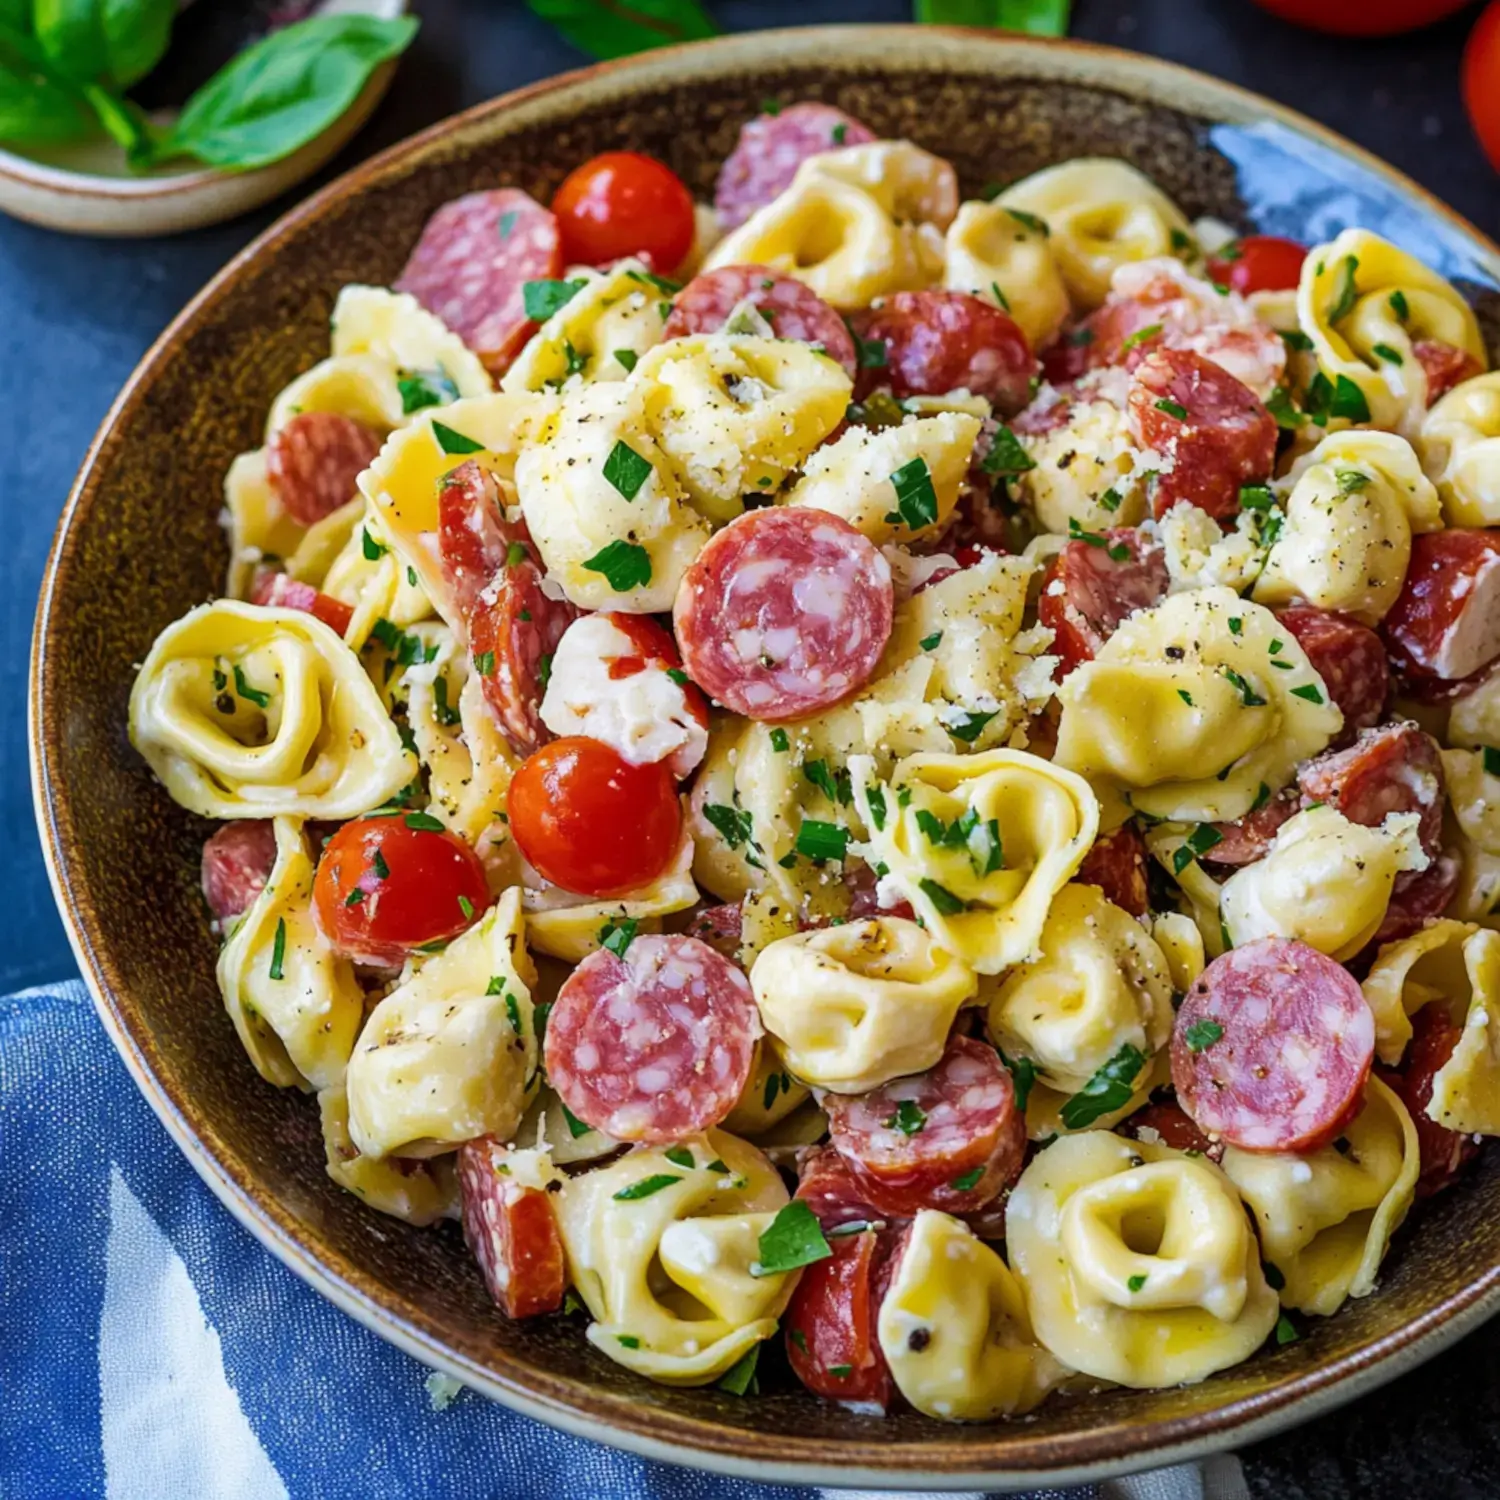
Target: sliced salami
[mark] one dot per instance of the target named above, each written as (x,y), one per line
(513,625)
(1272,1047)
(1394,769)
(831,1339)
(512,1231)
(1166,1124)
(936,342)
(1445,367)
(470,266)
(314,460)
(1418,897)
(1445,624)
(1249,839)
(1210,429)
(1351,660)
(281,592)
(784,612)
(654,1046)
(770,149)
(1087,591)
(950,1138)
(237,862)
(792,310)
(1117,865)
(721,927)
(1442,1152)
(864,896)
(827,1185)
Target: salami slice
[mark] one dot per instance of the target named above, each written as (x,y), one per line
(237,862)
(1087,591)
(654,1046)
(1117,865)
(470,266)
(864,896)
(950,1138)
(1211,431)
(1445,623)
(512,1231)
(1418,897)
(827,1185)
(1445,367)
(770,149)
(1249,839)
(1393,769)
(831,1338)
(314,460)
(513,625)
(721,928)
(792,310)
(281,592)
(935,342)
(784,612)
(1441,1152)
(1351,660)
(1272,1047)
(1166,1124)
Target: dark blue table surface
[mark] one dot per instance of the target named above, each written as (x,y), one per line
(76,314)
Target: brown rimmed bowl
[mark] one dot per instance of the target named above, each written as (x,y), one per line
(139,543)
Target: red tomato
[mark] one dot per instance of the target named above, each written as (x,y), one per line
(592,823)
(1259,263)
(1441,1152)
(623,203)
(831,1336)
(654,647)
(385,887)
(1482,82)
(1362,17)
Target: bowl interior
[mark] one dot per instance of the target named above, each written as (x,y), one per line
(141,542)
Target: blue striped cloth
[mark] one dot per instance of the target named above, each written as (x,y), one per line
(151,1350)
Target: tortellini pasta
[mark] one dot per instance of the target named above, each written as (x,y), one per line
(955,1331)
(1361,301)
(1138,1263)
(668,1275)
(978,844)
(735,415)
(770,1095)
(852,477)
(1099,983)
(606,548)
(854,1006)
(1200,555)
(1101,214)
(1325,881)
(1194,705)
(1355,501)
(993,254)
(1326,1218)
(421,1192)
(1459,442)
(452,1052)
(912,185)
(295,1003)
(252,712)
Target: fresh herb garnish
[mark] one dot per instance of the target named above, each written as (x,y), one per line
(626,470)
(732,824)
(942,898)
(618,934)
(278,950)
(646,1187)
(916,500)
(452,442)
(1201,1035)
(822,841)
(1199,842)
(544,298)
(1006,457)
(1109,1089)
(423,388)
(625,565)
(792,1239)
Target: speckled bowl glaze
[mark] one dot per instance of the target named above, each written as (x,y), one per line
(140,542)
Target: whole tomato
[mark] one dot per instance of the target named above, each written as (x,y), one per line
(1482,82)
(1362,17)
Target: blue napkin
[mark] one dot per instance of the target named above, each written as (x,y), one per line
(151,1350)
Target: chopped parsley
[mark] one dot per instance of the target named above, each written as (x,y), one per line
(1310,691)
(625,565)
(626,470)
(1256,497)
(821,841)
(1115,551)
(1022,1075)
(972,726)
(1108,1090)
(543,298)
(833,785)
(916,500)
(1349,401)
(1279,404)
(875,801)
(839,132)
(423,388)
(1389,355)
(627,1340)
(1298,342)
(1236,625)
(1248,696)
(793,1238)
(278,950)
(1006,457)
(1198,843)
(1172,408)
(1399,305)
(732,824)
(248,693)
(739,1379)
(909,1118)
(646,1187)
(1352,481)
(1346,291)
(967,1180)
(577,1128)
(942,898)
(1136,1282)
(1202,1035)
(1141,336)
(626,359)
(373,550)
(484,663)
(507,224)
(871,354)
(1031,222)
(680,1156)
(930,642)
(452,442)
(1186,696)
(1286,1330)
(442,710)
(779,741)
(617,936)
(423,822)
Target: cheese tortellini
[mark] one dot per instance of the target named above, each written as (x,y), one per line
(1361,301)
(1101,213)
(421,1192)
(1138,1262)
(452,1052)
(1003,258)
(1460,446)
(1326,1217)
(1192,706)
(669,1274)
(955,1331)
(295,1003)
(854,1006)
(252,712)
(1087,473)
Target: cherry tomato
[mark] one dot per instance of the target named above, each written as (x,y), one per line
(592,823)
(1259,263)
(654,647)
(1362,17)
(388,885)
(1482,82)
(623,203)
(831,1336)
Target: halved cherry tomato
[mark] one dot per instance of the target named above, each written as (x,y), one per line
(388,885)
(830,1324)
(589,821)
(654,648)
(1482,82)
(1362,17)
(1259,263)
(287,593)
(623,203)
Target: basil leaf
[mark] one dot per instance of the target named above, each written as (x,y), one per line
(37,104)
(282,92)
(792,1239)
(1035,17)
(610,28)
(1108,1090)
(71,33)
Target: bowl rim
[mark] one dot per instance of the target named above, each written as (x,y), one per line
(618,1419)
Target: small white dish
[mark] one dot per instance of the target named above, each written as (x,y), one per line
(87,188)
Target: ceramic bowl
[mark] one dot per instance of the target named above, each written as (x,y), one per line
(140,542)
